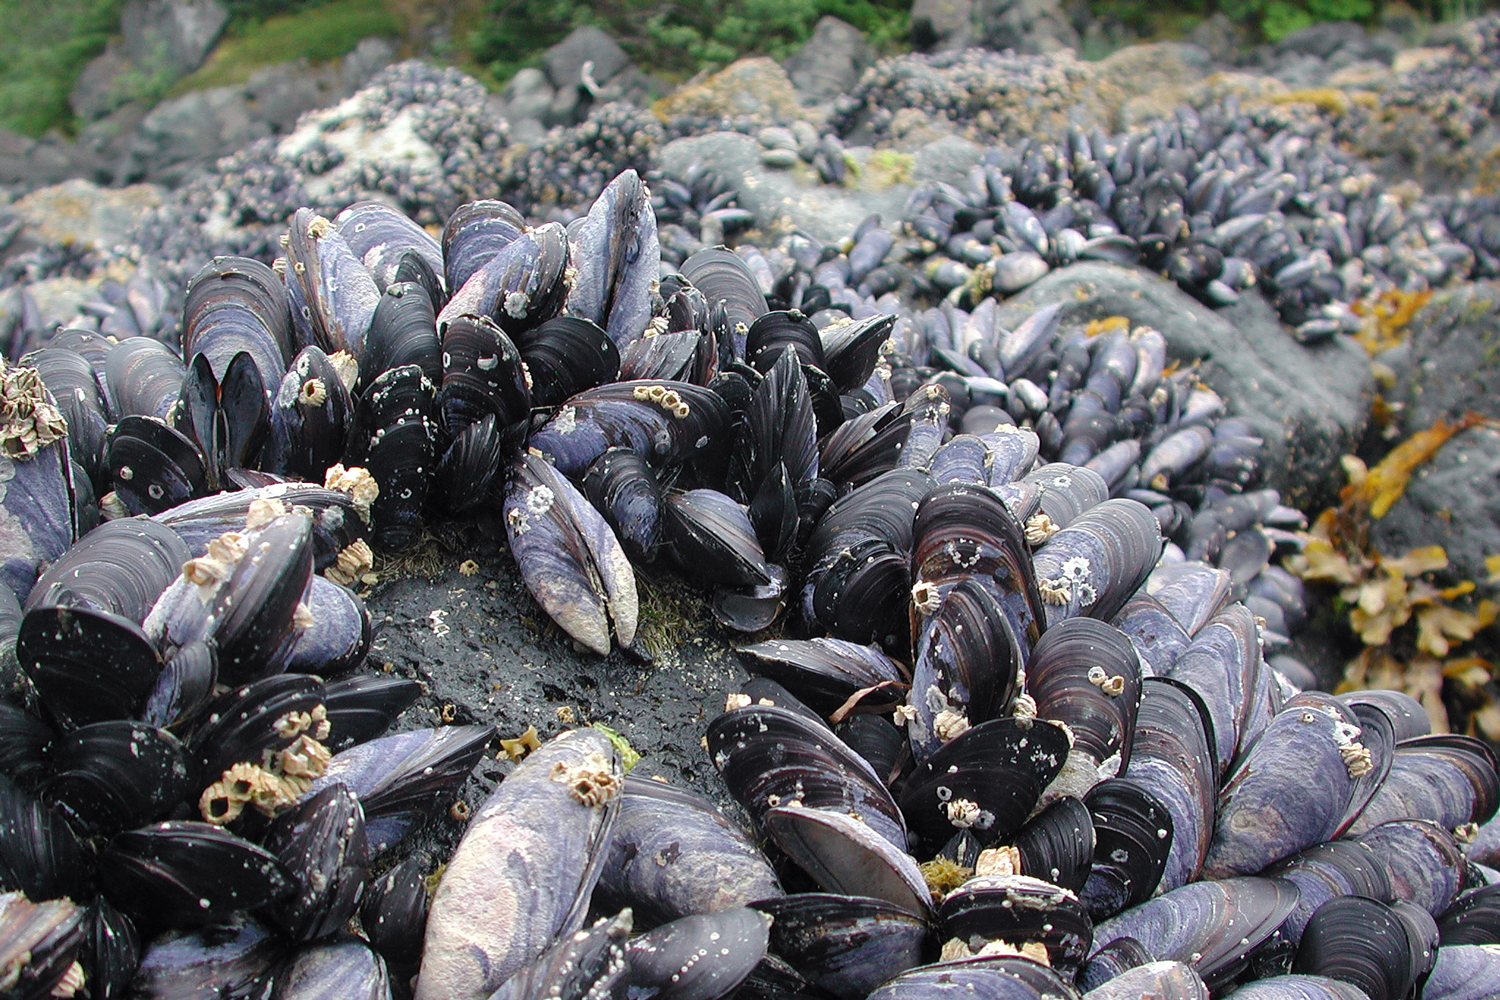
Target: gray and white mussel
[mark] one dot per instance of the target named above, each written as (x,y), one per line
(1018,734)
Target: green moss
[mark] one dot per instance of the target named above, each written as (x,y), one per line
(318,34)
(42,50)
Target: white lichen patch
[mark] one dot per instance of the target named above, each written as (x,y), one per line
(591,781)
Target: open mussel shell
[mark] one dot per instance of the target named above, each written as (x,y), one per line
(847,945)
(120,567)
(474,233)
(403,778)
(1366,943)
(1085,674)
(153,467)
(188,874)
(1212,926)
(985,781)
(1447,778)
(522,875)
(697,957)
(775,754)
(1018,909)
(39,854)
(467,472)
(234,304)
(39,942)
(847,856)
(616,260)
(113,775)
(826,672)
(1290,789)
(321,842)
(231,958)
(226,412)
(344,967)
(395,438)
(1173,759)
(569,558)
(1326,871)
(779,431)
(88,666)
(674,853)
(1003,978)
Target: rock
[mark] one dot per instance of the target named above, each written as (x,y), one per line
(82,214)
(563,62)
(194,130)
(1456,338)
(1153,79)
(27,163)
(1309,402)
(160,41)
(942,25)
(528,94)
(1219,36)
(756,89)
(1452,501)
(786,200)
(1323,39)
(1027,26)
(830,62)
(947,160)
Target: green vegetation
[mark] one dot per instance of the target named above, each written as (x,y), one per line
(42,49)
(316,33)
(674,39)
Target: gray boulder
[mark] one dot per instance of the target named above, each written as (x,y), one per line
(160,42)
(1452,501)
(941,25)
(1027,26)
(1456,336)
(1310,403)
(829,63)
(586,69)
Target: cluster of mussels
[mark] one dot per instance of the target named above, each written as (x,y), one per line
(1024,744)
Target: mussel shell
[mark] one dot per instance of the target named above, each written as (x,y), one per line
(143,376)
(70,379)
(403,778)
(1172,980)
(379,235)
(403,331)
(474,233)
(337,521)
(1173,758)
(1225,667)
(237,290)
(637,415)
(242,724)
(996,978)
(344,967)
(519,287)
(337,295)
(111,950)
(1474,918)
(622,486)
(361,708)
(39,854)
(153,466)
(565,356)
(1018,909)
(1449,779)
(230,959)
(697,957)
(1326,871)
(999,766)
(1157,636)
(393,913)
(1057,844)
(1095,564)
(616,260)
(1211,926)
(723,277)
(712,539)
(1362,942)
(321,842)
(482,375)
(521,877)
(1132,838)
(1423,861)
(88,666)
(825,672)
(1067,491)
(340,634)
(186,874)
(38,944)
(846,856)
(848,945)
(585,963)
(121,567)
(674,853)
(851,350)
(317,411)
(112,775)
(395,438)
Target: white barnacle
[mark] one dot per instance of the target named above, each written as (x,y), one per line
(926,596)
(313,393)
(566,421)
(1039,528)
(950,724)
(962,813)
(540,500)
(1024,709)
(319,227)
(516,303)
(518,521)
(1111,684)
(263,510)
(591,781)
(208,571)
